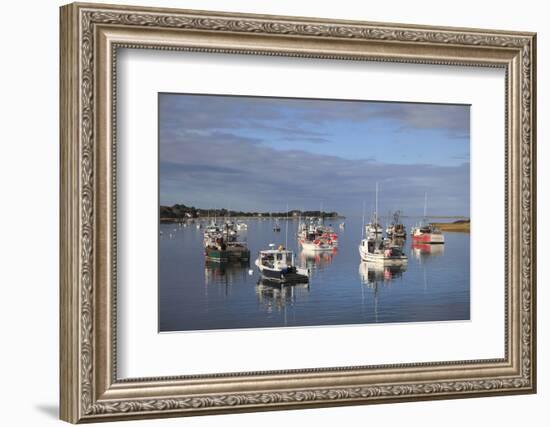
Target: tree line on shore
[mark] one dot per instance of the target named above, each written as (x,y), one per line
(180,211)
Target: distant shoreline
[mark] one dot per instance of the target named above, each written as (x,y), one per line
(242,218)
(458,226)
(180,212)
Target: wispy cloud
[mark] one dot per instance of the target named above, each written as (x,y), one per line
(213,112)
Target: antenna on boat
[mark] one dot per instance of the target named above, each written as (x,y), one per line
(286,228)
(376,207)
(425,205)
(363,222)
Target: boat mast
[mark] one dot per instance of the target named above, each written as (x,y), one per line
(425,205)
(363,222)
(286,228)
(376,208)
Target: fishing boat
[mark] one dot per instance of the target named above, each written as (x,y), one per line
(222,251)
(314,235)
(427,233)
(241,226)
(278,265)
(382,251)
(396,229)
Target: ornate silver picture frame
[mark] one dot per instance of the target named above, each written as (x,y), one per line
(91,34)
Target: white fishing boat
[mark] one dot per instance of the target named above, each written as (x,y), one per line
(382,252)
(241,226)
(278,265)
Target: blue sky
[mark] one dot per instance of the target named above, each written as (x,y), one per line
(257,153)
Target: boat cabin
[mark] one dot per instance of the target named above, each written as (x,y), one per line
(425,229)
(382,246)
(277,258)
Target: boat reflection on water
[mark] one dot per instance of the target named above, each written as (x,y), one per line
(225,274)
(372,274)
(313,260)
(423,251)
(277,296)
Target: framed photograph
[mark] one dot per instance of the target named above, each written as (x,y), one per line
(266,213)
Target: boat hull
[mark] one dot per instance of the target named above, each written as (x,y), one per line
(381,259)
(429,238)
(312,247)
(223,256)
(286,277)
(290,276)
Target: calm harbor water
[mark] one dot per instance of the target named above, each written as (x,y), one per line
(195,295)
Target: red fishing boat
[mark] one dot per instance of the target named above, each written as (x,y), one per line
(427,233)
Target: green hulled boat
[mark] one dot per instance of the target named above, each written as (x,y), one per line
(227,252)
